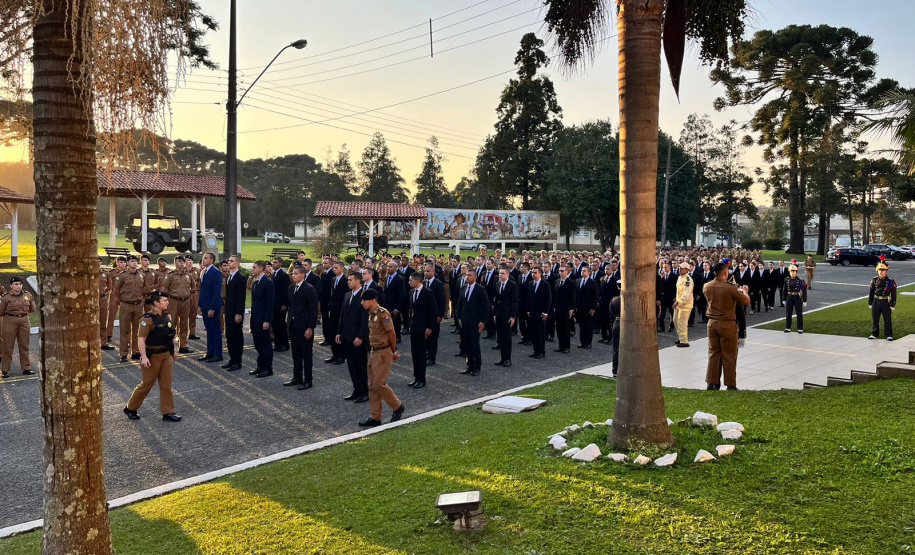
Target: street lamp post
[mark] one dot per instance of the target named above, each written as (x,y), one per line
(229,244)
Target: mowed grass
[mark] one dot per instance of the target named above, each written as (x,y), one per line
(818,471)
(854,319)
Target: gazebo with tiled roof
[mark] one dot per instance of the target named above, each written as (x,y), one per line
(372,213)
(10,201)
(150,185)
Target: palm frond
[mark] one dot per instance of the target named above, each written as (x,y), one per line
(578,27)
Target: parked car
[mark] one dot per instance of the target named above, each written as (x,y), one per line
(219,235)
(273,237)
(890,251)
(161,232)
(848,256)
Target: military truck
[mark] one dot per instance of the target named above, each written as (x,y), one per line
(161,232)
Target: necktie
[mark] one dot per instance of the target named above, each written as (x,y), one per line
(296,290)
(536,283)
(561,282)
(429,283)
(415,296)
(502,289)
(469,290)
(583,283)
(389,280)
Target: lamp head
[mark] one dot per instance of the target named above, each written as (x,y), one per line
(299,44)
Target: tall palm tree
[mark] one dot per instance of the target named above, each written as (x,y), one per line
(578,26)
(897,111)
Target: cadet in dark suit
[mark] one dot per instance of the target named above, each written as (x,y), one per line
(280,306)
(488,279)
(564,307)
(302,319)
(437,287)
(262,298)
(423,313)
(338,290)
(236,291)
(506,307)
(327,284)
(394,296)
(473,313)
(524,301)
(353,338)
(538,311)
(586,306)
(665,293)
(312,278)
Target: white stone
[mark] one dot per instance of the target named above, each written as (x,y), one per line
(609,421)
(730,426)
(618,457)
(573,428)
(560,446)
(667,460)
(587,454)
(511,404)
(731,434)
(571,452)
(725,450)
(704,419)
(560,434)
(703,456)
(587,424)
(670,422)
(642,460)
(599,424)
(557,441)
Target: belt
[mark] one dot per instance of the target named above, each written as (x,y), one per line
(102,296)
(156,350)
(790,293)
(722,319)
(18,315)
(132,302)
(180,298)
(380,348)
(882,298)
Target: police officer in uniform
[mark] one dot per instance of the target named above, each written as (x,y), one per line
(195,295)
(683,304)
(177,284)
(157,350)
(104,288)
(882,302)
(615,312)
(129,287)
(383,343)
(796,292)
(15,307)
(113,301)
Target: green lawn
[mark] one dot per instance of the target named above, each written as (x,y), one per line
(775,256)
(818,471)
(854,319)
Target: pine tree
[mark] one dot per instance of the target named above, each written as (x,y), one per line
(430,183)
(380,179)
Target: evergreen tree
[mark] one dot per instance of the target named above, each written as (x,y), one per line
(380,179)
(430,183)
(343,168)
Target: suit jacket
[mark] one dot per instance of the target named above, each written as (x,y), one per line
(506,301)
(236,291)
(742,278)
(354,320)
(338,292)
(211,289)
(701,280)
(666,288)
(588,295)
(541,298)
(566,295)
(455,283)
(315,281)
(756,280)
(262,298)
(281,284)
(490,281)
(376,287)
(423,310)
(524,293)
(327,283)
(437,287)
(394,293)
(474,310)
(303,307)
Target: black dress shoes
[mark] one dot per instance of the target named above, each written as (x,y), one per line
(475,373)
(584,346)
(498,363)
(226,365)
(185,350)
(194,337)
(107,348)
(234,367)
(732,388)
(369,422)
(280,349)
(565,351)
(467,371)
(557,350)
(362,399)
(495,347)
(430,362)
(397,414)
(340,361)
(131,414)
(528,343)
(136,356)
(215,359)
(28,372)
(254,371)
(324,343)
(460,355)
(203,358)
(713,387)
(419,385)
(124,359)
(330,360)
(506,364)
(351,397)
(538,355)
(291,383)
(171,417)
(411,384)
(263,374)
(304,386)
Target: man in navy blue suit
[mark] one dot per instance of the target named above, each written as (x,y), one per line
(473,313)
(209,307)
(541,301)
(262,298)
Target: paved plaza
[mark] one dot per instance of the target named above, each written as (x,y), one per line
(231,418)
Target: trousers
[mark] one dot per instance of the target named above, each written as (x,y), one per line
(681,323)
(131,314)
(722,352)
(160,369)
(379,368)
(16,330)
(878,309)
(793,305)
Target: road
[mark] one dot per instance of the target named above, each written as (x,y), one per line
(231,418)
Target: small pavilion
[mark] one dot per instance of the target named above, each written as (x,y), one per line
(9,202)
(372,214)
(147,186)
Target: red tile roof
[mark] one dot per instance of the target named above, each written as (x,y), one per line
(8,195)
(369,210)
(128,183)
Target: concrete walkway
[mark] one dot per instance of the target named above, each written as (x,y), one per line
(779,360)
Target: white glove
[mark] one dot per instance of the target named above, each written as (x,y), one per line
(870,306)
(892,309)
(740,342)
(805,305)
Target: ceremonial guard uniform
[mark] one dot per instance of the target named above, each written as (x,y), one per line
(15,307)
(177,284)
(381,357)
(882,302)
(683,305)
(796,293)
(157,362)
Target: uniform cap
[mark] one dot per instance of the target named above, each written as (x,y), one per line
(792,268)
(369,295)
(684,265)
(15,279)
(882,267)
(133,257)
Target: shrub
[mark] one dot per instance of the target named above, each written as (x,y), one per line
(753,244)
(774,244)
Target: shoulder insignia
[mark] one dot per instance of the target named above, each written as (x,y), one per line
(169,323)
(386,319)
(142,322)
(117,278)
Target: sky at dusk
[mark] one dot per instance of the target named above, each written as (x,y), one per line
(366,55)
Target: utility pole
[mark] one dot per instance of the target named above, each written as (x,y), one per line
(666,187)
(230,235)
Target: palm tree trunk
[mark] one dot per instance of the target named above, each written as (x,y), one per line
(66,193)
(639,414)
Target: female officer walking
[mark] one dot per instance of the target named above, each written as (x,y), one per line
(157,356)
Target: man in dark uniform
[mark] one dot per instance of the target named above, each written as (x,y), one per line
(338,290)
(770,285)
(882,302)
(383,354)
(423,313)
(324,294)
(394,292)
(755,281)
(524,300)
(563,308)
(782,277)
(434,284)
(280,306)
(796,293)
(666,291)
(236,293)
(615,312)
(262,299)
(586,306)
(302,319)
(506,308)
(540,304)
(473,313)
(352,337)
(156,340)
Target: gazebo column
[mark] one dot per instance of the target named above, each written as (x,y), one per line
(194,204)
(161,206)
(415,237)
(145,223)
(238,225)
(203,213)
(371,237)
(112,222)
(15,246)
(457,249)
(503,247)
